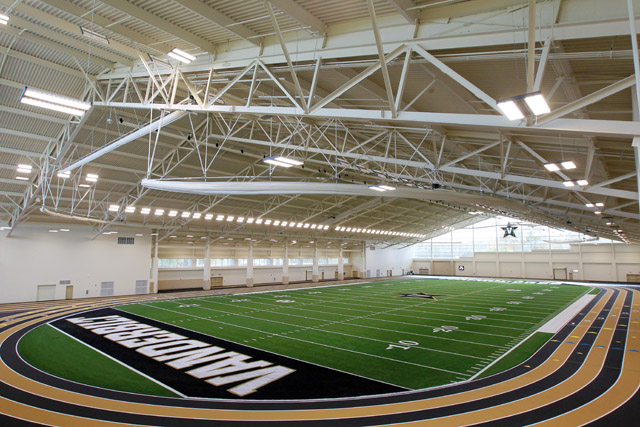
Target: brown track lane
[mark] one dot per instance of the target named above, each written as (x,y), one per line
(625,387)
(549,366)
(587,372)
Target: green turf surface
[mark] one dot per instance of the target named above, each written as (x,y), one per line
(51,351)
(521,353)
(369,329)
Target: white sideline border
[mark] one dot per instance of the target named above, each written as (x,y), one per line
(558,322)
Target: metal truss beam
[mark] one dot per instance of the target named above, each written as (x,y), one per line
(297,13)
(484,121)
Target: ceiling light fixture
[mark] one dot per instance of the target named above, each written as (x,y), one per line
(64,175)
(181,55)
(556,166)
(196,215)
(54,102)
(22,178)
(114,208)
(145,211)
(186,214)
(208,217)
(159,212)
(92,177)
(93,35)
(4,19)
(130,209)
(381,187)
(24,168)
(173,213)
(282,161)
(530,104)
(599,204)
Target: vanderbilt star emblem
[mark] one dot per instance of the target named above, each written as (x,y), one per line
(422,295)
(509,230)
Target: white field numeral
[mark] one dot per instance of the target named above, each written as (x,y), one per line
(405,345)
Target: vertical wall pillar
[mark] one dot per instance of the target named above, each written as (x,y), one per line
(314,272)
(285,263)
(154,268)
(250,265)
(340,263)
(206,280)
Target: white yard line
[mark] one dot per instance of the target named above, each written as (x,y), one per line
(305,341)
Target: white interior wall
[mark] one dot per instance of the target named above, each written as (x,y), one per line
(185,278)
(33,256)
(379,260)
(602,262)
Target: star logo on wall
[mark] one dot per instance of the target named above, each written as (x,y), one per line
(509,230)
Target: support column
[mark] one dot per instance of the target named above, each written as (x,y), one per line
(340,263)
(314,272)
(285,263)
(250,265)
(206,280)
(154,268)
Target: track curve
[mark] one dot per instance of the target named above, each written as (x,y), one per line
(589,370)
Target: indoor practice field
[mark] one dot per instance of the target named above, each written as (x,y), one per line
(408,333)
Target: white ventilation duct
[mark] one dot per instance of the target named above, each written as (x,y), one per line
(132,136)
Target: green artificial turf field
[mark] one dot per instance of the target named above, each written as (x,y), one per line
(410,332)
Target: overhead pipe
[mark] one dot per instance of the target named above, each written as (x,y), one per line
(132,136)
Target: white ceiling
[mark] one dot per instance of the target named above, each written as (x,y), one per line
(451,61)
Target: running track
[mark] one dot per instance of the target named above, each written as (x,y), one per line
(589,373)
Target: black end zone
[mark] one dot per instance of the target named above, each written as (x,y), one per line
(309,381)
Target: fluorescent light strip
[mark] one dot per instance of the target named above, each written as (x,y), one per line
(4,19)
(277,163)
(511,110)
(93,35)
(51,106)
(54,102)
(181,55)
(537,104)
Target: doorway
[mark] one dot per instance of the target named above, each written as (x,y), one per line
(559,274)
(68,292)
(46,293)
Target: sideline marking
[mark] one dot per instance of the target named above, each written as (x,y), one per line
(120,363)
